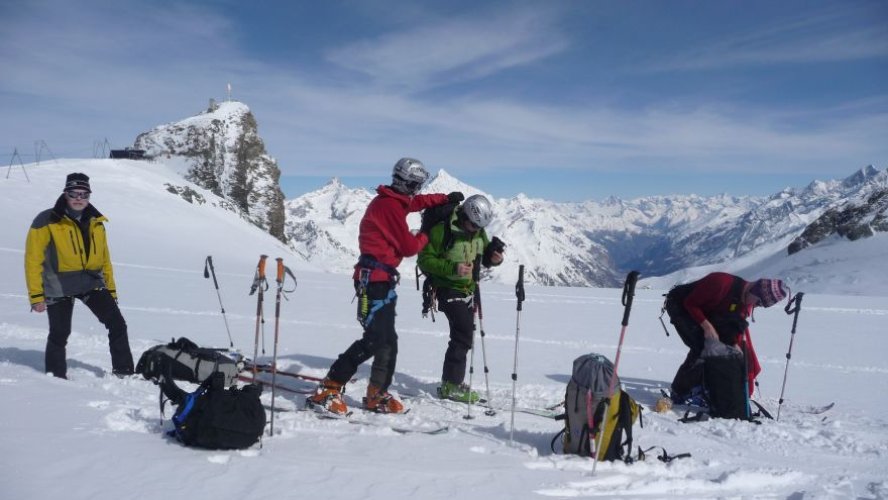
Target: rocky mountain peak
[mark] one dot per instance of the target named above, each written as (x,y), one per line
(221,151)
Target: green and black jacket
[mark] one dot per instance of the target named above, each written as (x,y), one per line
(448,246)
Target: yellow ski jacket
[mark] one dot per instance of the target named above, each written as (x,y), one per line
(62,259)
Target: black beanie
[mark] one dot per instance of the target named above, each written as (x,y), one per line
(77,181)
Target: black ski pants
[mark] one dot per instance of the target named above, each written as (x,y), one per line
(379,341)
(104,307)
(459,308)
(690,373)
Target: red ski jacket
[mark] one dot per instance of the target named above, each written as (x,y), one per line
(383,232)
(711,296)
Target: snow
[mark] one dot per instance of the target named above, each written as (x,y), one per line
(98,437)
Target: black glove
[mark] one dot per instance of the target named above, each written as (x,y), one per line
(455,197)
(497,245)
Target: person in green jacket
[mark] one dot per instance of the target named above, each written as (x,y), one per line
(458,246)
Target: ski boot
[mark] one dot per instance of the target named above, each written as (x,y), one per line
(328,397)
(381,401)
(457,392)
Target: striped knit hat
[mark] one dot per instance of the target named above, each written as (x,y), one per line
(77,180)
(769,291)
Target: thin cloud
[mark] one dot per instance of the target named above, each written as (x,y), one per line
(453,50)
(837,35)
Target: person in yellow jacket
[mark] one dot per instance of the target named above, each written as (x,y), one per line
(67,258)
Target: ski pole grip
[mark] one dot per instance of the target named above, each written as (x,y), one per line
(628,295)
(519,286)
(261,266)
(207,263)
(212,271)
(280,270)
(793,307)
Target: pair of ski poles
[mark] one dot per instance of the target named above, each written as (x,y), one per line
(259,287)
(480,314)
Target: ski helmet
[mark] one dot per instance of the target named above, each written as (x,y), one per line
(478,210)
(408,176)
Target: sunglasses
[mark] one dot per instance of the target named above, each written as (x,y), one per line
(77,195)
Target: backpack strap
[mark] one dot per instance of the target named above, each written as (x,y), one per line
(762,412)
(736,294)
(663,457)
(700,416)
(624,420)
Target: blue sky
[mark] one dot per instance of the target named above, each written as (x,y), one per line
(566,100)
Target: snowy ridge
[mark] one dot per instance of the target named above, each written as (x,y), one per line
(594,243)
(60,438)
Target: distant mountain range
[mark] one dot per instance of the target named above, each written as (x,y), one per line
(574,244)
(596,243)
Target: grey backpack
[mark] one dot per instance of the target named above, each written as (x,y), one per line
(187,362)
(584,403)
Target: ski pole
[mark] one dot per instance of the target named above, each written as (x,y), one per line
(260,285)
(628,295)
(793,307)
(208,270)
(490,411)
(279,279)
(468,415)
(277,324)
(519,296)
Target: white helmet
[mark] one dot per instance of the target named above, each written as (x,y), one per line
(408,176)
(478,210)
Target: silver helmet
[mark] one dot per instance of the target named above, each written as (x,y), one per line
(478,210)
(408,176)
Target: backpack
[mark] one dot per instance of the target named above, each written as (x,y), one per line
(187,361)
(724,384)
(585,396)
(433,216)
(214,417)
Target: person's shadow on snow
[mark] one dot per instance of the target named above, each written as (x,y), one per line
(35,359)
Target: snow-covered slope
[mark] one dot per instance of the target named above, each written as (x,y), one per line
(149,224)
(97,437)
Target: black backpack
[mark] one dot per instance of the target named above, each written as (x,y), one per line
(187,361)
(214,417)
(433,216)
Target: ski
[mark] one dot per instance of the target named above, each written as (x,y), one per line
(268,369)
(450,403)
(539,412)
(817,410)
(251,380)
(350,418)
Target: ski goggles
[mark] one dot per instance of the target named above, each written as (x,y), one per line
(77,195)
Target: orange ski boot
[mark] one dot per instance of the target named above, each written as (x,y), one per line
(329,397)
(381,401)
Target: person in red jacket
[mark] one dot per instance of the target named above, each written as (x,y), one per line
(384,240)
(715,308)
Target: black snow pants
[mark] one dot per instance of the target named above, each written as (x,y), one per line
(104,307)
